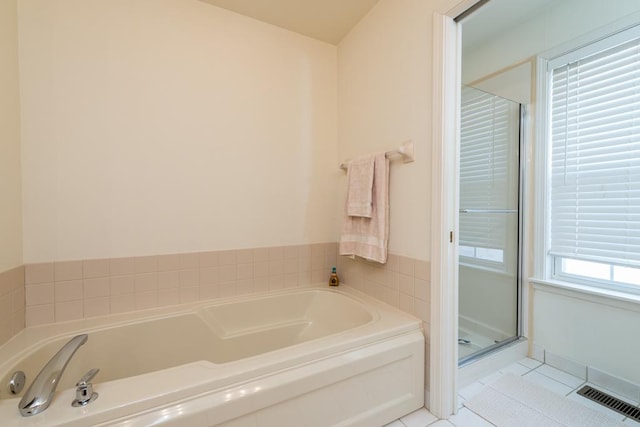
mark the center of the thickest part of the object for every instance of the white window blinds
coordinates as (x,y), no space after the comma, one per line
(595,157)
(488,169)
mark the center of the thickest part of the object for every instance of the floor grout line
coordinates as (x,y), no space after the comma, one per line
(529,370)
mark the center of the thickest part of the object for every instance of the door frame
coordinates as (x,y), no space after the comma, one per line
(443,343)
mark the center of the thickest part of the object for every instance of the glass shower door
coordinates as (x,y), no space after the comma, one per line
(489,215)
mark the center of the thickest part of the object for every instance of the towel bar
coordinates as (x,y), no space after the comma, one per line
(405,150)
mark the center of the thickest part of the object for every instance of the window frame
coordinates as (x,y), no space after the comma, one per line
(547,266)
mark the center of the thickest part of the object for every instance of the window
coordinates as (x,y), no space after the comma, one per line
(489,133)
(594,164)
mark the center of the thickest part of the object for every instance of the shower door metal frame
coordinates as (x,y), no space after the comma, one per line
(464,361)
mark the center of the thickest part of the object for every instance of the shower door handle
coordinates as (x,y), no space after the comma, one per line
(489,211)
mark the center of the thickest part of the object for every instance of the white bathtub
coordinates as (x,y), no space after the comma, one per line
(312,357)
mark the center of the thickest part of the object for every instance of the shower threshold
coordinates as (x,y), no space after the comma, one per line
(469,353)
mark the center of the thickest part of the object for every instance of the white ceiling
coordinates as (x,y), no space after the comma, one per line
(326,20)
(494,17)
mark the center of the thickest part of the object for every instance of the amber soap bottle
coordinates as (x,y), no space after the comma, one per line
(334,280)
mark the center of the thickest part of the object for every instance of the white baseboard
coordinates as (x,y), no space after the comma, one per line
(593,375)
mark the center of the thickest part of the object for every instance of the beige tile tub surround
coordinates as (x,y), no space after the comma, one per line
(68,290)
(12,303)
(402,282)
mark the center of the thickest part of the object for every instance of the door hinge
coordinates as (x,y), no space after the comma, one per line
(451,237)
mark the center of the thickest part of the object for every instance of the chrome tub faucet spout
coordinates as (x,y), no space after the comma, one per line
(39,395)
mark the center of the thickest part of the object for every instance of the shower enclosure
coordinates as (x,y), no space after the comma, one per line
(489,237)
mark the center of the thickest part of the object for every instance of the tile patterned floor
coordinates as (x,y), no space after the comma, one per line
(545,376)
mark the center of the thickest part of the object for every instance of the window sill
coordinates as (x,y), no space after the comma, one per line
(612,298)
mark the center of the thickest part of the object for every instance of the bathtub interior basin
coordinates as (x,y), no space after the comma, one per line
(218,333)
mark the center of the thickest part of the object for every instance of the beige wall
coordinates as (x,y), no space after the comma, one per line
(10,199)
(384,98)
(167,126)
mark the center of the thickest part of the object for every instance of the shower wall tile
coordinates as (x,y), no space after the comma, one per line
(189,261)
(169,279)
(146,264)
(69,310)
(406,285)
(122,303)
(208,259)
(261,255)
(68,270)
(5,283)
(276,254)
(422,270)
(291,265)
(393,262)
(169,262)
(261,269)
(98,287)
(95,268)
(245,271)
(291,252)
(402,282)
(12,302)
(304,277)
(422,309)
(304,263)
(227,289)
(171,297)
(422,289)
(228,273)
(68,290)
(146,282)
(39,273)
(189,278)
(261,284)
(304,251)
(40,294)
(99,306)
(276,282)
(244,287)
(290,280)
(189,294)
(39,314)
(319,276)
(209,276)
(121,266)
(407,266)
(206,292)
(119,285)
(244,256)
(146,299)
(405,303)
(276,267)
(228,258)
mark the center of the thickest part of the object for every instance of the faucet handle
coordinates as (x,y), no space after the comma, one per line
(84,389)
(87,377)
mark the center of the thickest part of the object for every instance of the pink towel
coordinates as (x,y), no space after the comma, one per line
(360,186)
(368,237)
